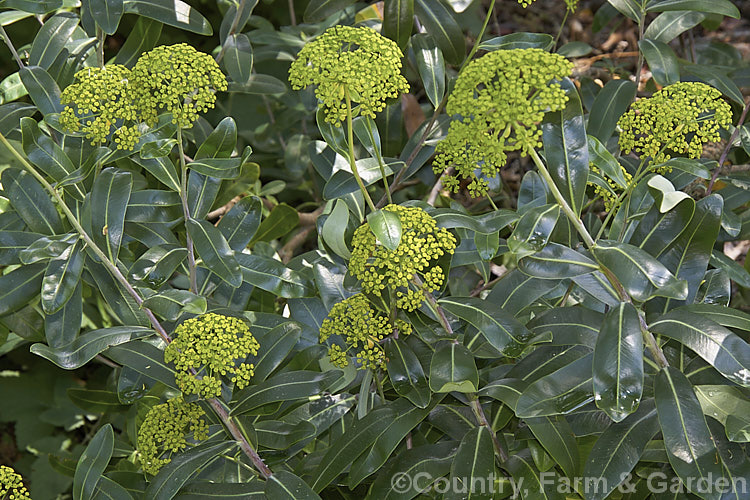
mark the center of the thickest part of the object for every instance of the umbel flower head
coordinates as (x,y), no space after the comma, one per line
(678,119)
(209,347)
(500,99)
(612,190)
(11,485)
(361,328)
(422,244)
(100,100)
(179,80)
(164,429)
(359,61)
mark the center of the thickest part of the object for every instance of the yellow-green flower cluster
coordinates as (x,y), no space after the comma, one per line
(176,78)
(209,347)
(422,244)
(100,100)
(362,329)
(179,80)
(500,99)
(678,119)
(11,485)
(344,59)
(164,429)
(571,4)
(609,196)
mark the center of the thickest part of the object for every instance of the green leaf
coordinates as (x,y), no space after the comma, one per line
(386,226)
(715,78)
(504,332)
(557,437)
(12,114)
(107,14)
(93,462)
(669,25)
(405,418)
(569,325)
(519,40)
(43,152)
(721,348)
(609,105)
(123,305)
(95,400)
(628,8)
(662,61)
(214,251)
(722,402)
(19,287)
(658,229)
(201,490)
(61,279)
(51,38)
(288,386)
(238,57)
(557,262)
(533,230)
(274,348)
(566,148)
(641,275)
(279,222)
(619,448)
(171,304)
(475,458)
(109,201)
(690,254)
(560,392)
(157,265)
(406,373)
(172,476)
(398,20)
(521,466)
(220,142)
(273,276)
(12,243)
(219,168)
(162,168)
(285,485)
(429,460)
(618,363)
(334,229)
(85,348)
(240,224)
(158,148)
(443,28)
(42,89)
(259,84)
(142,37)
(33,6)
(687,439)
(722,7)
(144,358)
(108,489)
(485,224)
(48,247)
(171,12)
(430,65)
(62,327)
(31,202)
(319,10)
(515,291)
(453,369)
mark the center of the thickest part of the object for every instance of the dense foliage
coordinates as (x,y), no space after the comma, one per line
(276,250)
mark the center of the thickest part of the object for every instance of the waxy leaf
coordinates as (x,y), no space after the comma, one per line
(557,437)
(109,202)
(475,458)
(690,449)
(557,262)
(504,332)
(287,386)
(157,264)
(85,348)
(566,148)
(273,276)
(31,202)
(386,226)
(430,65)
(533,230)
(214,250)
(641,275)
(453,369)
(171,304)
(406,373)
(560,392)
(144,358)
(662,61)
(19,287)
(241,222)
(443,28)
(107,14)
(398,20)
(61,279)
(238,57)
(42,89)
(619,448)
(93,462)
(618,363)
(719,346)
(610,104)
(287,486)
(172,12)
